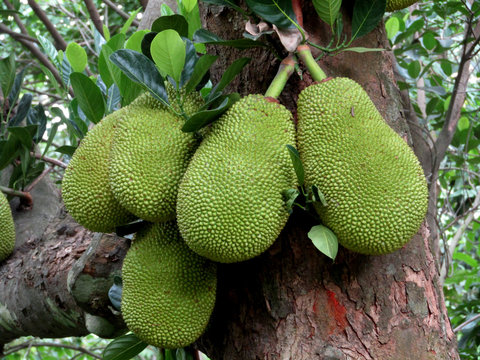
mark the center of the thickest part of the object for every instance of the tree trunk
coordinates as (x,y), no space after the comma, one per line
(294,303)
(289,303)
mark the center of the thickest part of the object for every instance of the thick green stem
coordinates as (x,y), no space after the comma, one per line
(306,56)
(284,72)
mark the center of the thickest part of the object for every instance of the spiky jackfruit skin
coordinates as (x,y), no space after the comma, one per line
(85,186)
(373,184)
(230,203)
(168,291)
(393,5)
(7,229)
(149,155)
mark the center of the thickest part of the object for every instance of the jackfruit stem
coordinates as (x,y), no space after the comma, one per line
(314,69)
(285,70)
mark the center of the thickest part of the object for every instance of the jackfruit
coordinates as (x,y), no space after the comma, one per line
(168,291)
(149,155)
(85,186)
(393,5)
(230,203)
(7,229)
(375,191)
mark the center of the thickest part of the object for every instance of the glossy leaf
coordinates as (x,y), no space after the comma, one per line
(124,348)
(142,70)
(367,14)
(175,22)
(297,164)
(233,70)
(201,68)
(168,51)
(274,11)
(7,74)
(22,110)
(327,10)
(89,96)
(77,57)
(115,292)
(324,240)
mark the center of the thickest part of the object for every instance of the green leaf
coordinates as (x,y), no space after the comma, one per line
(366,16)
(206,37)
(318,195)
(191,58)
(7,74)
(89,96)
(297,164)
(134,42)
(392,25)
(269,10)
(17,85)
(51,136)
(66,149)
(361,49)
(140,69)
(174,22)
(290,196)
(9,150)
(123,348)
(199,71)
(129,21)
(205,117)
(324,240)
(446,67)
(467,259)
(168,51)
(414,69)
(428,40)
(233,70)
(328,10)
(23,134)
(165,10)
(77,57)
(50,50)
(22,110)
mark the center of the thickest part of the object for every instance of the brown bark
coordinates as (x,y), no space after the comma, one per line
(60,43)
(94,15)
(293,302)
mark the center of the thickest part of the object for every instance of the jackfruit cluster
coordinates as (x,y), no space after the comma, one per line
(86,188)
(149,156)
(230,204)
(393,5)
(168,290)
(375,191)
(129,165)
(7,229)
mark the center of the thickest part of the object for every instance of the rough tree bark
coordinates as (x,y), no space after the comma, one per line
(289,303)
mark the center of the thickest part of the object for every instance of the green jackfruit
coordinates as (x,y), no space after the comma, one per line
(393,5)
(7,229)
(85,187)
(375,191)
(230,202)
(168,291)
(149,155)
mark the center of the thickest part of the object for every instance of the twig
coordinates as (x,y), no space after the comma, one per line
(50,160)
(458,236)
(39,177)
(52,344)
(94,15)
(461,326)
(25,196)
(60,43)
(17,19)
(120,11)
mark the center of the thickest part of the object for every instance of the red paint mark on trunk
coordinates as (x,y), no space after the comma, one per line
(338,310)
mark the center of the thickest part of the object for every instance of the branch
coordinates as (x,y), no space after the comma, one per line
(60,43)
(456,239)
(120,12)
(458,96)
(94,15)
(50,160)
(17,19)
(461,326)
(25,196)
(15,35)
(28,344)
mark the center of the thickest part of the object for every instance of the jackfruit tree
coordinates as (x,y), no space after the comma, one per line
(241,277)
